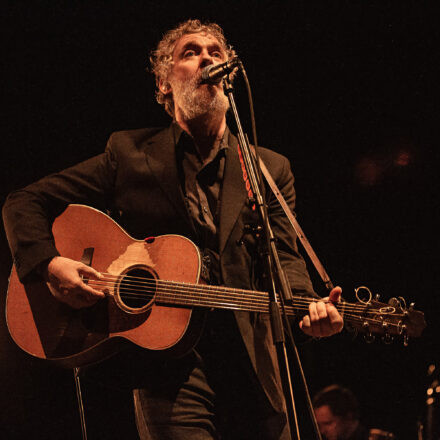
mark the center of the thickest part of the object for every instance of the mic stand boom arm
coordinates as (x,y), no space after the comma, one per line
(277,278)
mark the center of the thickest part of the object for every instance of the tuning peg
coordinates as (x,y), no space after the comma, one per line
(410,309)
(387,339)
(402,330)
(394,302)
(369,337)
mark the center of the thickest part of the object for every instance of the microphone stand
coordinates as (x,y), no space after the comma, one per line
(276,276)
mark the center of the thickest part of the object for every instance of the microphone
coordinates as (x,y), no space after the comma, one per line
(213,73)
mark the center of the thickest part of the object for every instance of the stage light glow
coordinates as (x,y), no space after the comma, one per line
(403,158)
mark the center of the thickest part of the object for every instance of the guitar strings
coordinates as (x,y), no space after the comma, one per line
(206,301)
(200,289)
(231,294)
(247,293)
(177,292)
(195,287)
(263,296)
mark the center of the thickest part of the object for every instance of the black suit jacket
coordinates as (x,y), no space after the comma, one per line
(136,181)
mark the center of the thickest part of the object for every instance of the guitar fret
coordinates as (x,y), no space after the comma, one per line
(200,302)
(215,295)
(210,297)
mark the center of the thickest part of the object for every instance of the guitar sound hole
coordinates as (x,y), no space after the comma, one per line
(137,288)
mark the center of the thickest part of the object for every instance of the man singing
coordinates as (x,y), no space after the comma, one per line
(185,179)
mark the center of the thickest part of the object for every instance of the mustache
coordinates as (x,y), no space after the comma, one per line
(193,82)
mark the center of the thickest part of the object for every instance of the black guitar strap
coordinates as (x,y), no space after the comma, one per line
(296,227)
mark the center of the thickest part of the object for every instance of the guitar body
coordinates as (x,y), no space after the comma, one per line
(153,298)
(48,329)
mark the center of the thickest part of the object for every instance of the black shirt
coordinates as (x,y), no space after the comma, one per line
(201,185)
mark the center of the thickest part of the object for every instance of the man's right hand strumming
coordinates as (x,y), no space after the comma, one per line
(65,278)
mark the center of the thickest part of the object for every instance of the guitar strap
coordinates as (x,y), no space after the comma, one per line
(295,225)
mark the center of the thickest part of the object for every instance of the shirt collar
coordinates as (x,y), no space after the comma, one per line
(183,140)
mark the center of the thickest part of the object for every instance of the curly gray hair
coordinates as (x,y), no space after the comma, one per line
(162,58)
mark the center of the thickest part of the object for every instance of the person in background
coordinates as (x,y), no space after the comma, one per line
(337,413)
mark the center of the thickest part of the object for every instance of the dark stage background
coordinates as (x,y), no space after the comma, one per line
(347,90)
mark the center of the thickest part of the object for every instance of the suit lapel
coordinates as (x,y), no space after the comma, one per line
(233,192)
(161,159)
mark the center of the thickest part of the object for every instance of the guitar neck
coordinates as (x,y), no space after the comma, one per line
(219,297)
(367,316)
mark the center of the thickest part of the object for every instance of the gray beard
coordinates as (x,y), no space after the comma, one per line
(195,102)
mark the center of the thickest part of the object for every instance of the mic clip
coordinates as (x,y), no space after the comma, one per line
(213,73)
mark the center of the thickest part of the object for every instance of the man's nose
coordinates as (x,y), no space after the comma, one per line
(206,59)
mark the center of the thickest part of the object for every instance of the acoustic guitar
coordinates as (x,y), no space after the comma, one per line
(154,298)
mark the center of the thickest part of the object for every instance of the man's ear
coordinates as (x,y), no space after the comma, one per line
(164,86)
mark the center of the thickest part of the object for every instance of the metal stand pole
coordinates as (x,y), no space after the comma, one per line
(80,403)
(275,272)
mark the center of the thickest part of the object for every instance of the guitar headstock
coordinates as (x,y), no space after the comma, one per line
(372,317)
